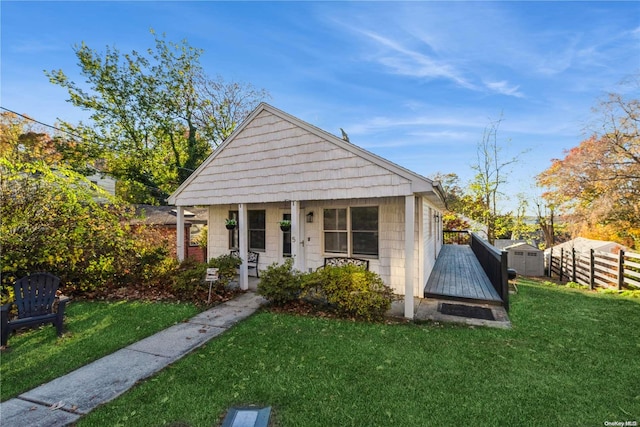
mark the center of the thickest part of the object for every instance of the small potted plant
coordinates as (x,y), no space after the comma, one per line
(230,223)
(285,225)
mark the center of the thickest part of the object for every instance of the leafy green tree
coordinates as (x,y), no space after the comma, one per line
(154,113)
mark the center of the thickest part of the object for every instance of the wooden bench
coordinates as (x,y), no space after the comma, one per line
(34,296)
(341,261)
(252,261)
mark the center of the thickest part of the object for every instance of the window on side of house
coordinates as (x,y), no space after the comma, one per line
(351,232)
(257,230)
(335,231)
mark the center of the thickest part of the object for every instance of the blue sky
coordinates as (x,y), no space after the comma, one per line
(415,82)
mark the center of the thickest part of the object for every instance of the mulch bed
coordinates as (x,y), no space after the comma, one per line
(139,292)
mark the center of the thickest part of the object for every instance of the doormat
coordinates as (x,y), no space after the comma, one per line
(466,311)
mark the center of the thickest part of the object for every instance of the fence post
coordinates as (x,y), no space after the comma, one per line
(550,263)
(592,268)
(620,270)
(573,264)
(561,262)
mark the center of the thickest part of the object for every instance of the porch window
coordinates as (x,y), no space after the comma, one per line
(353,231)
(364,231)
(255,233)
(335,231)
(257,230)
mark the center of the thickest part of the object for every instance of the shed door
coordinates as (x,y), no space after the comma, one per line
(533,263)
(518,261)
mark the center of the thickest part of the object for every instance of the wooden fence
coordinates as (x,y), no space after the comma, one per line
(595,268)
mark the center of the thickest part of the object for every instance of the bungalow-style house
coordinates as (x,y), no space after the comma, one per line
(342,201)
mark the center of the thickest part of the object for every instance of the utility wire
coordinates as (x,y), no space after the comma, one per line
(82,139)
(41,123)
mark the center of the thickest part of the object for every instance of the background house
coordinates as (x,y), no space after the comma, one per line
(163,220)
(341,199)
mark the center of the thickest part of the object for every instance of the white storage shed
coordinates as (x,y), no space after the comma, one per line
(526,259)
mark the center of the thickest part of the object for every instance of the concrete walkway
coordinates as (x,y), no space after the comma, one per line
(65,399)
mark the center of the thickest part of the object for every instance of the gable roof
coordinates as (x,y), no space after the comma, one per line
(273,156)
(521,246)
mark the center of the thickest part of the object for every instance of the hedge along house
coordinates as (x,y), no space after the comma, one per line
(342,201)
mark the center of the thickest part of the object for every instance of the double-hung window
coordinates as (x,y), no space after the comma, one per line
(351,231)
(256,231)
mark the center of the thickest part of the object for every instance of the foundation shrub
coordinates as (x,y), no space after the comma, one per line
(351,291)
(280,284)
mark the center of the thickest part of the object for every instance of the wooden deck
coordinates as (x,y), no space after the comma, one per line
(458,275)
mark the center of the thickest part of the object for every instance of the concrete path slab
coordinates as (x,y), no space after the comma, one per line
(427,309)
(177,340)
(98,382)
(82,390)
(224,316)
(17,412)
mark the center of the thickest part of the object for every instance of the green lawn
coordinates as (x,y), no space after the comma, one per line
(572,358)
(93,329)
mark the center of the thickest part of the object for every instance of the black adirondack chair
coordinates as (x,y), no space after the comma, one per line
(34,296)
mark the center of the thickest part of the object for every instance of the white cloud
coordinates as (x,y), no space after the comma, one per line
(405,61)
(503,87)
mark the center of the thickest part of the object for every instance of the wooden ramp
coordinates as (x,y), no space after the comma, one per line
(458,275)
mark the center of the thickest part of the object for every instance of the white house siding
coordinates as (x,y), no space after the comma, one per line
(390,264)
(254,168)
(432,243)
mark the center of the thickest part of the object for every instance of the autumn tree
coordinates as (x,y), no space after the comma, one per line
(156,113)
(24,140)
(597,184)
(53,219)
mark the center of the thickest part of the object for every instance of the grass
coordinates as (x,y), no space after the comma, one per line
(93,329)
(572,358)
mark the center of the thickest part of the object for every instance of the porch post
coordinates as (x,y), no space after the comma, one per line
(295,234)
(409,220)
(180,233)
(243,226)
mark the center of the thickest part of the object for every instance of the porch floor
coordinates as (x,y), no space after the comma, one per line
(458,275)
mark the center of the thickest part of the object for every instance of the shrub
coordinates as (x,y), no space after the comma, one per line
(227,266)
(189,277)
(280,284)
(352,291)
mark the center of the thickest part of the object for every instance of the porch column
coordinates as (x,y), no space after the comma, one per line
(243,227)
(180,233)
(409,228)
(295,234)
